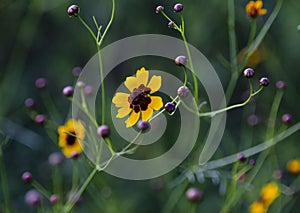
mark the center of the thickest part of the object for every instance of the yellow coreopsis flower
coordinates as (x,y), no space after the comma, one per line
(138,103)
(254,9)
(293,166)
(70,137)
(257,207)
(269,193)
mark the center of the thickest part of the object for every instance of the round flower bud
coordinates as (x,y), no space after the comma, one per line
(68,91)
(73,10)
(178,7)
(252,162)
(241,157)
(103,131)
(41,83)
(53,199)
(253,120)
(76,71)
(159,9)
(40,119)
(55,159)
(287,118)
(171,24)
(281,85)
(248,73)
(278,174)
(33,198)
(170,107)
(29,103)
(88,90)
(75,155)
(194,194)
(143,125)
(180,60)
(27,177)
(183,91)
(80,84)
(264,81)
(298,27)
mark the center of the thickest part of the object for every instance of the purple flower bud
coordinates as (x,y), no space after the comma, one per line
(40,119)
(183,91)
(88,90)
(171,24)
(241,157)
(252,162)
(29,103)
(33,198)
(248,73)
(281,85)
(68,91)
(103,131)
(253,120)
(287,118)
(278,174)
(143,125)
(75,155)
(170,107)
(80,84)
(76,71)
(41,83)
(178,7)
(27,177)
(55,159)
(54,199)
(194,194)
(159,9)
(264,81)
(180,60)
(73,10)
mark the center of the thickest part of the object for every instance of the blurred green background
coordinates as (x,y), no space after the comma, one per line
(39,39)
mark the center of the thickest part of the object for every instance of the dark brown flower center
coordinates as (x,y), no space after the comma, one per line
(139,98)
(253,12)
(71,138)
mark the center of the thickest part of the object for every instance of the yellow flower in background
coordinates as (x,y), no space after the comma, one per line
(269,193)
(139,102)
(293,166)
(254,9)
(257,207)
(70,137)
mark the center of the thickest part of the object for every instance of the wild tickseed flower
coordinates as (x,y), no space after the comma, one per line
(41,83)
(103,131)
(27,177)
(183,91)
(194,194)
(257,207)
(180,60)
(73,10)
(178,7)
(254,9)
(139,102)
(143,125)
(248,73)
(269,193)
(264,81)
(293,166)
(33,198)
(71,137)
(68,91)
(287,118)
(159,9)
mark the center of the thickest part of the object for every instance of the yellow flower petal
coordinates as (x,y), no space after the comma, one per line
(122,112)
(156,102)
(121,99)
(131,83)
(147,114)
(258,4)
(257,207)
(142,76)
(133,118)
(262,12)
(154,84)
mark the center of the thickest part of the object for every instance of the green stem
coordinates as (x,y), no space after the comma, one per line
(41,189)
(252,32)
(232,49)
(88,28)
(70,205)
(75,175)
